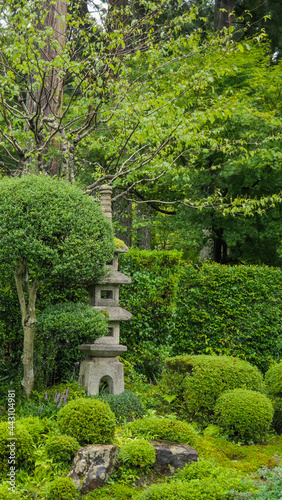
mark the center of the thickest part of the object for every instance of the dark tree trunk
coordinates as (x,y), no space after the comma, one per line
(219,247)
(223,19)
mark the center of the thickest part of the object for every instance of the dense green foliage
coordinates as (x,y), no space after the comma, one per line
(163,428)
(23,451)
(244,415)
(277,417)
(126,406)
(273,380)
(59,330)
(197,381)
(137,453)
(62,488)
(60,234)
(214,309)
(34,426)
(62,448)
(207,488)
(90,421)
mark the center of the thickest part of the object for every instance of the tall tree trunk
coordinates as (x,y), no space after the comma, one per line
(28,323)
(222,11)
(52,97)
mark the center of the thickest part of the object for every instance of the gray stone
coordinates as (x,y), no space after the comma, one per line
(116,278)
(116,313)
(94,371)
(171,456)
(93,465)
(105,350)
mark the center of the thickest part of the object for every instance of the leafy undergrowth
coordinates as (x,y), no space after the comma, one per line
(226,470)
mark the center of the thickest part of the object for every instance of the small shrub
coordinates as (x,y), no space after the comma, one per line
(87,420)
(273,380)
(126,406)
(197,382)
(62,488)
(138,453)
(34,426)
(24,447)
(244,415)
(62,448)
(164,428)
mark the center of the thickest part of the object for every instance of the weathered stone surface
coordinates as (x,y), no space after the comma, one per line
(93,465)
(93,371)
(171,456)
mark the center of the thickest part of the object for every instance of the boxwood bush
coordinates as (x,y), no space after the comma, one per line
(62,488)
(90,421)
(244,415)
(197,382)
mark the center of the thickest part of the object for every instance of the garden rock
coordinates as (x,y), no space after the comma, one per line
(92,466)
(171,456)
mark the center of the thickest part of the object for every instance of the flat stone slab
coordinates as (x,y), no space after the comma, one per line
(171,456)
(106,350)
(115,277)
(115,313)
(93,465)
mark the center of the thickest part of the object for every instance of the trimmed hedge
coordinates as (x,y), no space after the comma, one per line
(206,308)
(197,381)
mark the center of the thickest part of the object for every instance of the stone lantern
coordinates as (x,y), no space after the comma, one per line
(101,365)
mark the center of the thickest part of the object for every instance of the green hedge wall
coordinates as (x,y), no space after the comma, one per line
(181,307)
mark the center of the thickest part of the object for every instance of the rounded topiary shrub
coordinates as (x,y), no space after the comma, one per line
(23,451)
(164,428)
(139,453)
(273,380)
(34,426)
(87,420)
(62,448)
(244,415)
(126,406)
(62,488)
(197,382)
